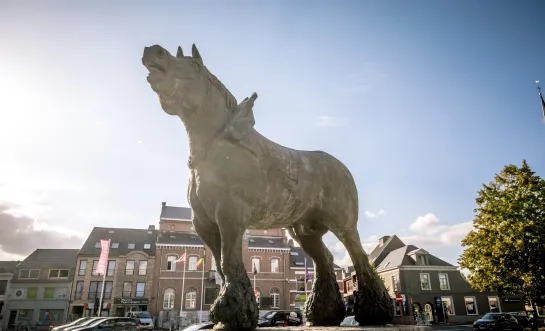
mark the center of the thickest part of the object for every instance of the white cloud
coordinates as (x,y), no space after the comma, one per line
(329,121)
(429,231)
(370,214)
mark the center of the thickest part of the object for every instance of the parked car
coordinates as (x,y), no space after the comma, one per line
(113,324)
(350,321)
(280,318)
(497,321)
(146,322)
(76,322)
(200,326)
(522,319)
(90,321)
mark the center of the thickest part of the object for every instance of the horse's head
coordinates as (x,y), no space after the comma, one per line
(180,81)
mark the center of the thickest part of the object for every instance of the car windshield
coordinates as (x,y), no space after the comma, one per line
(491,317)
(143,314)
(269,315)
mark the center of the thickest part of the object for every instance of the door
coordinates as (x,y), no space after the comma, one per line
(429,312)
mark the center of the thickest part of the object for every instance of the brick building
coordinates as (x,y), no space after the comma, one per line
(129,275)
(278,266)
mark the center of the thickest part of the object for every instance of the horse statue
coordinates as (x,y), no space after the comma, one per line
(239,180)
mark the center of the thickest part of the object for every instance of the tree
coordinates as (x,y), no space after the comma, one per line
(505,251)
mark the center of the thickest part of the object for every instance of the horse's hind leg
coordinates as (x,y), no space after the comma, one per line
(373,305)
(324,306)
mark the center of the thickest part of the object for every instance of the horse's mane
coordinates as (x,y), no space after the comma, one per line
(230,100)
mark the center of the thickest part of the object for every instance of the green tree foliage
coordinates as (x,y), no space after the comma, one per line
(505,252)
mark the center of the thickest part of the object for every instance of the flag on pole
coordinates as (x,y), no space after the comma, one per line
(255,269)
(182,258)
(541,97)
(103,259)
(307,275)
(201,260)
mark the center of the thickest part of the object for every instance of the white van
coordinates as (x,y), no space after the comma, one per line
(146,322)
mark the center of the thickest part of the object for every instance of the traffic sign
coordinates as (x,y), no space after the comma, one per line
(399,298)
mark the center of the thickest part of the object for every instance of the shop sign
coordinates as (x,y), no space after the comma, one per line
(131,301)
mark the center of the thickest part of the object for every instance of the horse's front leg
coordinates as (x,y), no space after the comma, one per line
(236,306)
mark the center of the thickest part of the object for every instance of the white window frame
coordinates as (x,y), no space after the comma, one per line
(168,298)
(474,303)
(80,269)
(395,283)
(429,281)
(29,273)
(58,274)
(451,303)
(115,245)
(147,246)
(446,278)
(192,262)
(191,299)
(140,268)
(253,260)
(109,271)
(171,258)
(277,260)
(498,302)
(131,246)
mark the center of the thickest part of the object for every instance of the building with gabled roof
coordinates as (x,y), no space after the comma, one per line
(40,288)
(7,270)
(428,284)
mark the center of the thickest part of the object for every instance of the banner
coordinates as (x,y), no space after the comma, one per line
(102,264)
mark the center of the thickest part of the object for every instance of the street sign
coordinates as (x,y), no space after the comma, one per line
(399,298)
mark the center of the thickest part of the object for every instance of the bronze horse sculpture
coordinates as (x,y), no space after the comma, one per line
(239,179)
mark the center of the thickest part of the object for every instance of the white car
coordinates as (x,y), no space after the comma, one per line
(146,322)
(84,324)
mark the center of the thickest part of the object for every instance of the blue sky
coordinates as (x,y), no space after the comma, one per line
(422,100)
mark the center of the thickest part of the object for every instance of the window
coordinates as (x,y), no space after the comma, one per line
(471,305)
(127,289)
(130,246)
(494,305)
(300,284)
(3,286)
(168,301)
(58,273)
(425,282)
(171,262)
(61,292)
(95,288)
(111,268)
(294,253)
(49,293)
(79,290)
(94,271)
(397,309)
(394,283)
(29,274)
(213,264)
(443,282)
(97,245)
(115,245)
(275,265)
(447,305)
(82,267)
(52,315)
(147,246)
(275,296)
(140,289)
(255,264)
(422,259)
(142,268)
(191,298)
(192,264)
(129,267)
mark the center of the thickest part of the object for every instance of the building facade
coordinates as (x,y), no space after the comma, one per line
(7,269)
(129,277)
(430,285)
(40,288)
(269,253)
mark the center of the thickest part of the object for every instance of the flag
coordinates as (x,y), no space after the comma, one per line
(103,260)
(541,97)
(182,258)
(201,260)
(255,269)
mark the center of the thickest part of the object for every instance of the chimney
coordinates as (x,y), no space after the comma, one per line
(151,227)
(163,203)
(383,240)
(290,243)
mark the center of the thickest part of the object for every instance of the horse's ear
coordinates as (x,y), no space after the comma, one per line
(180,52)
(196,55)
(243,121)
